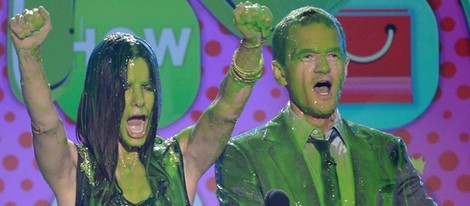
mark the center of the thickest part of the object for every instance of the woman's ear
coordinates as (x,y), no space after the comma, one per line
(279,73)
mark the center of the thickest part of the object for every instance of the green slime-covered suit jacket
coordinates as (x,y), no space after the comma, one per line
(264,159)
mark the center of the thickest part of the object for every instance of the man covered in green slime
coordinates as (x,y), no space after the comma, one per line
(308,150)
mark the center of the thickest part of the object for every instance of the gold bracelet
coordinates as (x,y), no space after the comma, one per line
(253,46)
(243,76)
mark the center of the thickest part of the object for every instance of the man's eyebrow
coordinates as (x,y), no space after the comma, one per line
(316,50)
(295,52)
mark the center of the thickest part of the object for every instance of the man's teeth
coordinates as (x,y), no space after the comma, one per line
(323,91)
(322,88)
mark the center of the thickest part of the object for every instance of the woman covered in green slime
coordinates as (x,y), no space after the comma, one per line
(120,160)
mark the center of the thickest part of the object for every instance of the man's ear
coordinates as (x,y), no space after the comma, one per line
(346,68)
(279,73)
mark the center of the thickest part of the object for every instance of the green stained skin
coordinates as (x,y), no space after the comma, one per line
(308,65)
(139,99)
(38,22)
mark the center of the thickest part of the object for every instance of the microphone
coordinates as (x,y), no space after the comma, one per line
(276,197)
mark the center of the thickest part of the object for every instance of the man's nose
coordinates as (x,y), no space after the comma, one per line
(322,66)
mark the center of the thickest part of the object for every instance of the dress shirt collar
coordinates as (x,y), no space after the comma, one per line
(301,129)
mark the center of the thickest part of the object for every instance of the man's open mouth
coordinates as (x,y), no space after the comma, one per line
(322,88)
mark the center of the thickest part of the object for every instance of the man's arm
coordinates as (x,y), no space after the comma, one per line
(51,147)
(203,143)
(410,189)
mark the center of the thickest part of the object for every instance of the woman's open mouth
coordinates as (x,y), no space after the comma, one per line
(136,126)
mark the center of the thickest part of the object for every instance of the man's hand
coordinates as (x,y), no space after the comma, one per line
(254,21)
(29,30)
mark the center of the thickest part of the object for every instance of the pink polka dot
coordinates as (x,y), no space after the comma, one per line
(275,92)
(25,140)
(433,183)
(464,137)
(259,115)
(447,24)
(463,183)
(447,114)
(405,135)
(448,69)
(42,203)
(435,4)
(2,49)
(10,162)
(9,117)
(2,185)
(10,204)
(448,161)
(213,48)
(438,94)
(5,72)
(226,68)
(1,94)
(448,203)
(463,92)
(211,93)
(195,115)
(462,47)
(224,30)
(4,26)
(210,184)
(26,185)
(433,137)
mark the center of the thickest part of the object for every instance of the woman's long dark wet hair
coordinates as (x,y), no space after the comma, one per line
(102,105)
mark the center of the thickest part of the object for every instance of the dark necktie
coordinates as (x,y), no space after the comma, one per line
(330,179)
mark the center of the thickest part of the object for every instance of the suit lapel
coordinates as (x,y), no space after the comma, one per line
(366,165)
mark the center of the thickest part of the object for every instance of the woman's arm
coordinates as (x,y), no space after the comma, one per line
(54,153)
(204,142)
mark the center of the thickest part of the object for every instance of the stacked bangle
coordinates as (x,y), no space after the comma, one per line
(252,46)
(244,76)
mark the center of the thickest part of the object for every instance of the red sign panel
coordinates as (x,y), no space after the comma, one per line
(379,46)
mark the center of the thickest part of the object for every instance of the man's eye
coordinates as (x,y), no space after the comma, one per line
(333,55)
(308,57)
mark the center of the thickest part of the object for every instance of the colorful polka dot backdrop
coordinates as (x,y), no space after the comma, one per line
(440,136)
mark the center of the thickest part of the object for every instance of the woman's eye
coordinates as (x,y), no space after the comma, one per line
(148,87)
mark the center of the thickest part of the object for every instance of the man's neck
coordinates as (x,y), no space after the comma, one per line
(323,123)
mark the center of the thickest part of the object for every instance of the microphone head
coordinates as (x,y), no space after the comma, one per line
(276,197)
